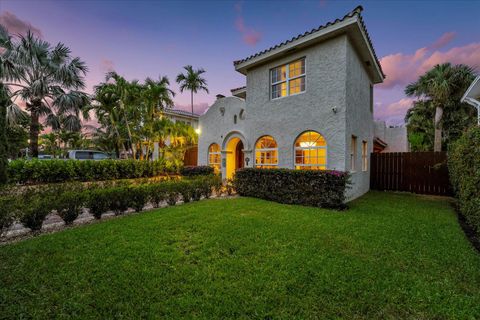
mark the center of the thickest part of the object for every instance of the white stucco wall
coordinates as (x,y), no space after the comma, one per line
(335,79)
(396,137)
(359,121)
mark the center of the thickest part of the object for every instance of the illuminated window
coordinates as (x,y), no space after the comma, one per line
(353,153)
(310,151)
(288,79)
(364,156)
(266,152)
(214,157)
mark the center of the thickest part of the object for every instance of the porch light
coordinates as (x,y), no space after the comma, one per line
(197,131)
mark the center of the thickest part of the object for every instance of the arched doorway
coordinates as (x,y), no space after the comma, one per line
(235,158)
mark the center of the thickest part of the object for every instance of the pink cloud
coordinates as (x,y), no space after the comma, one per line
(249,35)
(107,65)
(198,108)
(445,39)
(393,113)
(17,26)
(402,69)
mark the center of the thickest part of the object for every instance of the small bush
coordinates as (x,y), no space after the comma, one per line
(98,201)
(8,213)
(69,202)
(40,171)
(186,189)
(157,193)
(173,193)
(35,207)
(307,187)
(190,171)
(464,170)
(138,197)
(119,200)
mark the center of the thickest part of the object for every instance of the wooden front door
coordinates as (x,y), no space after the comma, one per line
(239,157)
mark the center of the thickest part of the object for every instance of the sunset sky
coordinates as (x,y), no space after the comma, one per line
(140,39)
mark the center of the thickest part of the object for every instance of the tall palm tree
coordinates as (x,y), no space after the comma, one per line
(192,80)
(47,79)
(442,83)
(157,96)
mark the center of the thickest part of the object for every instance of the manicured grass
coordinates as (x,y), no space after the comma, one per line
(389,256)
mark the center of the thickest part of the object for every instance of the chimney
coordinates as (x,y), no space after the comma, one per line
(220,96)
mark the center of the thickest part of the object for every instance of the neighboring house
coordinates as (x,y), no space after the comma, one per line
(472,96)
(177,115)
(389,139)
(307,104)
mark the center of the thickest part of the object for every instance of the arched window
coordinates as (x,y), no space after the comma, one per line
(266,152)
(310,151)
(214,157)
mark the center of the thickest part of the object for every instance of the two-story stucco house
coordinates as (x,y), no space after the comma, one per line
(307,104)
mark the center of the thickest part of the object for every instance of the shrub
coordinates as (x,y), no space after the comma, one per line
(8,213)
(173,193)
(69,202)
(189,171)
(138,197)
(464,170)
(34,208)
(98,201)
(307,187)
(119,200)
(41,171)
(186,188)
(157,193)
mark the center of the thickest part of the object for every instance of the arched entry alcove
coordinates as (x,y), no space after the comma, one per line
(234,147)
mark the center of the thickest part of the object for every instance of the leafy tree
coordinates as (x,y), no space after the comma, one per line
(443,87)
(192,80)
(48,80)
(17,138)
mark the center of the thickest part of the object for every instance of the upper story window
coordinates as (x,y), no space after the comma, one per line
(288,79)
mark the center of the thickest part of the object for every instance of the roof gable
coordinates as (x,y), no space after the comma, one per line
(351,24)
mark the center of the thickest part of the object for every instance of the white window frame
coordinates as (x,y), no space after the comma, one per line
(213,164)
(364,155)
(295,164)
(353,153)
(288,79)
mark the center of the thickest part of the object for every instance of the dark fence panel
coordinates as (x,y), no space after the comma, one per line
(191,156)
(417,172)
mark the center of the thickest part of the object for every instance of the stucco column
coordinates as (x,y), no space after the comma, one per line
(155,151)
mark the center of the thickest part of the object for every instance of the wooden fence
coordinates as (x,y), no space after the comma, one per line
(417,172)
(191,156)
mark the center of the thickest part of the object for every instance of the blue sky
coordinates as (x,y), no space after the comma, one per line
(150,38)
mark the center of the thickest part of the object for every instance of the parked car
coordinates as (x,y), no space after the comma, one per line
(87,155)
(45,157)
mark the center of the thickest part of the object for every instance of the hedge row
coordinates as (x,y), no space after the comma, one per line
(307,187)
(464,170)
(45,171)
(32,206)
(190,171)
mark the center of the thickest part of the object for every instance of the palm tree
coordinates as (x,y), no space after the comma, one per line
(442,83)
(193,81)
(48,80)
(157,96)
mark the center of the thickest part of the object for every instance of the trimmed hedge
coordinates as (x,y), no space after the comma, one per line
(306,187)
(464,170)
(31,204)
(46,171)
(196,171)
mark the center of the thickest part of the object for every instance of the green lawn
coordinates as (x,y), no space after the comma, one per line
(389,256)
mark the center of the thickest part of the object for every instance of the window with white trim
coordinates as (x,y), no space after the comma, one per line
(266,153)
(311,151)
(214,157)
(288,79)
(364,155)
(353,153)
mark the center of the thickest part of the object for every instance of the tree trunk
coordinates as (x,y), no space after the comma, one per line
(34,131)
(437,144)
(3,137)
(191,94)
(132,146)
